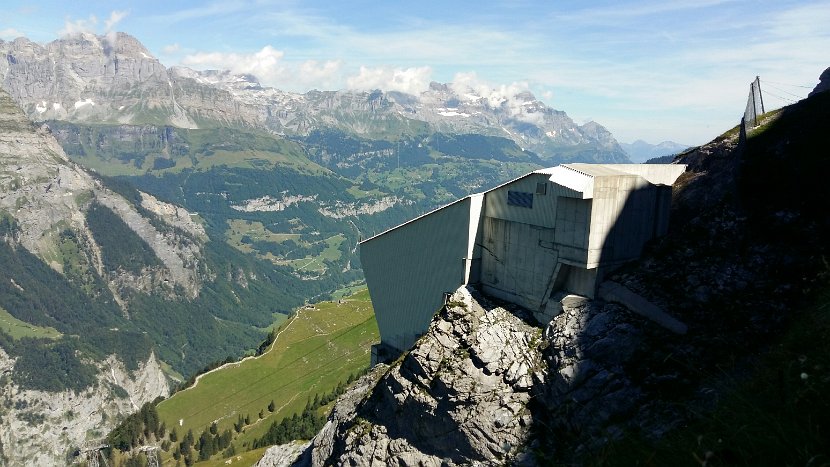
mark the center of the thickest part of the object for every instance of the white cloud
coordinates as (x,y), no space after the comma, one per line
(10,34)
(325,75)
(115,17)
(91,24)
(505,96)
(411,80)
(264,64)
(78,26)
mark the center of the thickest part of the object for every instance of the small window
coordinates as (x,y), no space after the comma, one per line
(541,188)
(520,198)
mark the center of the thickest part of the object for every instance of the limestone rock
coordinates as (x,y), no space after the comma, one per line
(483,386)
(43,428)
(282,455)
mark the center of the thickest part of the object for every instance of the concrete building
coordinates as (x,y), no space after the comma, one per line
(557,229)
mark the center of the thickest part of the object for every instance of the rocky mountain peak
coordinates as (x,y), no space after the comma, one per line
(89,78)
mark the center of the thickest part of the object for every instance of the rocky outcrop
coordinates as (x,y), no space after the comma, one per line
(486,385)
(44,428)
(282,455)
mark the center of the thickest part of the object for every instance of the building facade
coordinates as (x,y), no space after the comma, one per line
(557,229)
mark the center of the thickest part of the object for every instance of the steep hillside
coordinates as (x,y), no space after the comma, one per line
(741,266)
(114,79)
(101,287)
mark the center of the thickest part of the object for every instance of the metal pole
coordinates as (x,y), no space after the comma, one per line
(760,95)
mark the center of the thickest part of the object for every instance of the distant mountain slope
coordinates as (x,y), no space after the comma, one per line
(99,282)
(640,151)
(114,79)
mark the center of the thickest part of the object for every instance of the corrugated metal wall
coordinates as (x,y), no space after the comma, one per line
(408,269)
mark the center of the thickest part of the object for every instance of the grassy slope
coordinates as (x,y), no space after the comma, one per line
(778,416)
(316,349)
(17,328)
(775,409)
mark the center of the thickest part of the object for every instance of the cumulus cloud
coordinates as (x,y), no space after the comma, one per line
(469,83)
(313,74)
(511,97)
(91,24)
(264,64)
(10,34)
(411,80)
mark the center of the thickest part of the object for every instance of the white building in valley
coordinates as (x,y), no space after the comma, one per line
(557,229)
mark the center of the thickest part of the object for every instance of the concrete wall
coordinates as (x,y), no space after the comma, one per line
(518,261)
(409,268)
(544,206)
(572,227)
(622,219)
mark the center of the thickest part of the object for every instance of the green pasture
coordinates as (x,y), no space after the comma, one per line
(18,329)
(319,347)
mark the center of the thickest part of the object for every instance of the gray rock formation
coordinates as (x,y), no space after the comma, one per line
(43,428)
(282,455)
(485,386)
(45,193)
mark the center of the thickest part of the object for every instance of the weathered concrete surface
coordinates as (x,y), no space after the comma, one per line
(611,291)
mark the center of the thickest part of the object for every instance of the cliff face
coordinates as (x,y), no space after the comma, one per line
(44,202)
(43,428)
(487,385)
(45,193)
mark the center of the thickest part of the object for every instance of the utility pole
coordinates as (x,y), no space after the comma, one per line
(760,95)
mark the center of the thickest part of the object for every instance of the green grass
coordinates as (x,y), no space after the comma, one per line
(244,459)
(317,349)
(349,289)
(315,263)
(237,228)
(779,415)
(18,329)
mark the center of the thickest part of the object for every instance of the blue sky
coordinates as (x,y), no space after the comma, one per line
(651,70)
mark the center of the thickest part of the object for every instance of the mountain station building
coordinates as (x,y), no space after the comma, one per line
(560,229)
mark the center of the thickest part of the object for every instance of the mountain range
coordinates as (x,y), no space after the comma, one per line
(114,79)
(641,151)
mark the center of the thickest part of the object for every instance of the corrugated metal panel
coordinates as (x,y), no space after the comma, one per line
(408,270)
(543,210)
